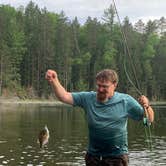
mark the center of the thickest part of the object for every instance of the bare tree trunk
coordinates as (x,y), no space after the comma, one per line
(1,75)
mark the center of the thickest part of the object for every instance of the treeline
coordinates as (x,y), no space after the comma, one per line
(33,40)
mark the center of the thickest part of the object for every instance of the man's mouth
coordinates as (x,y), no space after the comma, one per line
(101,96)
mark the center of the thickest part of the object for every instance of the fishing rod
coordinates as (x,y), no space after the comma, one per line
(137,86)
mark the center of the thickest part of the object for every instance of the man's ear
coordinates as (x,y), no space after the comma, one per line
(115,85)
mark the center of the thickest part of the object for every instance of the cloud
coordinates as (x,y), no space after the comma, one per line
(145,10)
(134,9)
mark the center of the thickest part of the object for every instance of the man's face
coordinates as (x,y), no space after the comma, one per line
(105,90)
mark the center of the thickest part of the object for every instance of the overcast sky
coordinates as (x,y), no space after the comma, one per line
(134,9)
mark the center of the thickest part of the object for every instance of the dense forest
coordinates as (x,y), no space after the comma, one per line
(33,40)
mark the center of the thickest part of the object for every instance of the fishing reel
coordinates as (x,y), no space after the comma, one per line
(146,122)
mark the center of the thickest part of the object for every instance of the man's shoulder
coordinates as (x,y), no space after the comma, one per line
(84,95)
(83,98)
(121,95)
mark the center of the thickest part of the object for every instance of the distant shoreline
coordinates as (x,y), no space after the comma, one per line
(11,101)
(53,102)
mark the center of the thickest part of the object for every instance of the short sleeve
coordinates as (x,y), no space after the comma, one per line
(134,109)
(80,98)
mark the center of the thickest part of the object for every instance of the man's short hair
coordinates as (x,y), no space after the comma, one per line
(107,75)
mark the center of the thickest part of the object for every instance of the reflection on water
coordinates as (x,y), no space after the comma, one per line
(19,128)
(20,124)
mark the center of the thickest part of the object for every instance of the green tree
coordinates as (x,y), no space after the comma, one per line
(63,49)
(12,48)
(159,70)
(92,28)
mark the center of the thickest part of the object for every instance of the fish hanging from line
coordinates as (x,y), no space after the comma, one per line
(43,136)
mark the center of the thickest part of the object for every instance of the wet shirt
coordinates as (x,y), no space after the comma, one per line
(107,122)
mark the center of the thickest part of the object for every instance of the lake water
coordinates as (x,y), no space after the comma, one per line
(21,123)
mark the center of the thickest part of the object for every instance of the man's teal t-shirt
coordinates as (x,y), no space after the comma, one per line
(107,122)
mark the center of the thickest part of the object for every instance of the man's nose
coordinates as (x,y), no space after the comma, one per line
(101,89)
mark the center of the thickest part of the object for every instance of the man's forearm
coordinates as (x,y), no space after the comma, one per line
(61,93)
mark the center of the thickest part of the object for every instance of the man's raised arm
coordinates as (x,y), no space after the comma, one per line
(59,90)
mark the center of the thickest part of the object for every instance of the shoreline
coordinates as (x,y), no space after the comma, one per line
(17,101)
(54,102)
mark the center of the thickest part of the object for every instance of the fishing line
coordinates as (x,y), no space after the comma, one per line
(128,77)
(128,52)
(148,134)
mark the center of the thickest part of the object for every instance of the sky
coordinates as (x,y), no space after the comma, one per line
(134,9)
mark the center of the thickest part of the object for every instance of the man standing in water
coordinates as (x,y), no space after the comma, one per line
(107,112)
